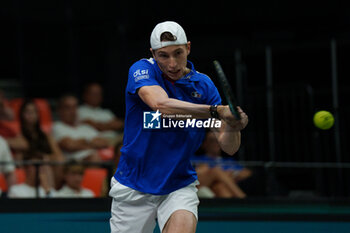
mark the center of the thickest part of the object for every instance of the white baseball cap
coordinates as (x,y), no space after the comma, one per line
(167,26)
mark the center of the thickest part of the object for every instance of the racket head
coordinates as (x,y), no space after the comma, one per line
(227,90)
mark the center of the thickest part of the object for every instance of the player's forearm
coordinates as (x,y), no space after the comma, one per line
(157,99)
(229,140)
(174,106)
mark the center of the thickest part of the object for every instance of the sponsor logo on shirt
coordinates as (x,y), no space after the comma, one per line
(140,74)
(196,94)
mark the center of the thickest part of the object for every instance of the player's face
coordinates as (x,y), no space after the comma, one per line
(172,60)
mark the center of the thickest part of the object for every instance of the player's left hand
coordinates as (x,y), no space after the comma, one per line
(236,125)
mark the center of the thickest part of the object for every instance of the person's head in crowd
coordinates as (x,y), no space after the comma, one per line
(31,130)
(73,175)
(93,94)
(210,145)
(29,115)
(67,109)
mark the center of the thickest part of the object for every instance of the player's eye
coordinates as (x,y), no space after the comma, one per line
(178,52)
(163,55)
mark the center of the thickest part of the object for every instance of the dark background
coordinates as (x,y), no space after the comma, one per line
(52,47)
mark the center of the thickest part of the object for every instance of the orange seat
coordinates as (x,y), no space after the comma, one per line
(20,175)
(3,184)
(9,128)
(43,108)
(94,179)
(20,178)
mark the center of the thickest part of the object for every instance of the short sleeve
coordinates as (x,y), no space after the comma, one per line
(88,132)
(109,114)
(58,131)
(141,74)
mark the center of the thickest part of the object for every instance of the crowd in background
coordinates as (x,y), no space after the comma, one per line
(62,157)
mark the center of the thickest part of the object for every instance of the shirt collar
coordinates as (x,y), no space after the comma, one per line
(190,77)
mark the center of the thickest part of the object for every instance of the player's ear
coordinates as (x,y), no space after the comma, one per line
(152,53)
(188,46)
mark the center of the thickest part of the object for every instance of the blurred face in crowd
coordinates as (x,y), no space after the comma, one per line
(172,60)
(30,114)
(73,178)
(211,145)
(68,110)
(93,95)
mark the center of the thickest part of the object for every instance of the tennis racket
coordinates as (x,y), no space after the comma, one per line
(226,88)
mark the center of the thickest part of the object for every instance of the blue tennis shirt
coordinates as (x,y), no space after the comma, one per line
(157,161)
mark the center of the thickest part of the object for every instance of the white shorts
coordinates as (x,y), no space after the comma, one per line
(134,211)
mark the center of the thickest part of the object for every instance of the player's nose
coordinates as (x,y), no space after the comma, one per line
(172,63)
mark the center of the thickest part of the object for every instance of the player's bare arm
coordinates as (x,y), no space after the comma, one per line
(157,99)
(229,137)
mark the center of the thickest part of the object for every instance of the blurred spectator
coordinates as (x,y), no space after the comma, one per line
(7,169)
(212,154)
(73,176)
(214,182)
(38,142)
(215,179)
(77,141)
(5,112)
(45,180)
(101,119)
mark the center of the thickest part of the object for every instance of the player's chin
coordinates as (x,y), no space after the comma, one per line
(174,75)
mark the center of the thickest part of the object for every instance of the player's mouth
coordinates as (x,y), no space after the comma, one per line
(174,73)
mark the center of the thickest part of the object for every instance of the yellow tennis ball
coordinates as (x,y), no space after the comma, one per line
(323,120)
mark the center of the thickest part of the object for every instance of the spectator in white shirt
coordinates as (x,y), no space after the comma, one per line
(73,183)
(8,168)
(101,119)
(77,141)
(29,187)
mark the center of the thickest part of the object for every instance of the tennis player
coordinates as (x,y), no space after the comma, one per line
(155,179)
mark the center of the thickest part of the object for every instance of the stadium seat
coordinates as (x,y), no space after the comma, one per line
(3,185)
(20,175)
(9,128)
(94,179)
